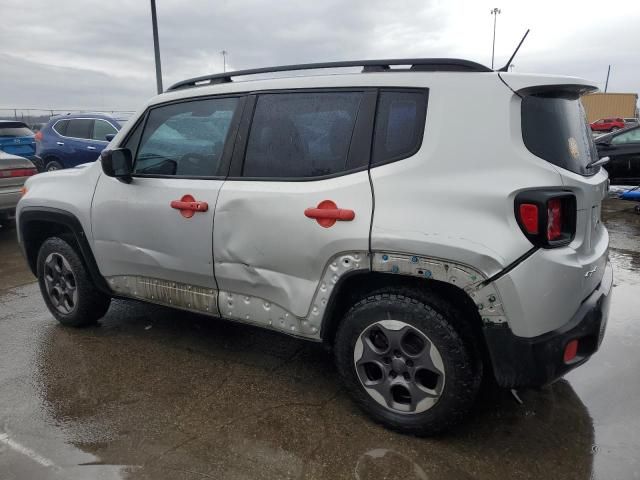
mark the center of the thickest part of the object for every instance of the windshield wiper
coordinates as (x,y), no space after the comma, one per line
(598,163)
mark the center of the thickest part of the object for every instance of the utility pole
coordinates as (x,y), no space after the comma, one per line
(606,85)
(224,60)
(495,13)
(156,46)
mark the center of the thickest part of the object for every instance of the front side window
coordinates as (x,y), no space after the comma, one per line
(185,139)
(632,136)
(399,127)
(101,129)
(80,128)
(301,134)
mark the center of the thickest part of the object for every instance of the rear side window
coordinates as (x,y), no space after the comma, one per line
(399,125)
(555,129)
(80,128)
(16,129)
(185,139)
(60,127)
(301,134)
(101,129)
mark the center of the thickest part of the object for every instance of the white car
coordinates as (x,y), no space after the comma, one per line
(351,209)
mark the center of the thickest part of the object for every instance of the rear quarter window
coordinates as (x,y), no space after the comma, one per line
(555,128)
(399,126)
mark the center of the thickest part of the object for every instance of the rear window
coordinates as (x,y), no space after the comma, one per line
(555,129)
(14,129)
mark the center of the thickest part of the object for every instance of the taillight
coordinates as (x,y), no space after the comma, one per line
(38,136)
(547,218)
(18,172)
(554,219)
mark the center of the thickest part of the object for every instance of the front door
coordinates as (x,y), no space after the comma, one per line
(153,237)
(296,210)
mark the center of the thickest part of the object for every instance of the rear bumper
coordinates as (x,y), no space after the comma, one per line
(529,362)
(9,197)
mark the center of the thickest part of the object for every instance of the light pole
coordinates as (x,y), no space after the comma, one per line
(156,46)
(224,60)
(495,13)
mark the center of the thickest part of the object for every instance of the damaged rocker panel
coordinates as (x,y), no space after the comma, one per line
(165,292)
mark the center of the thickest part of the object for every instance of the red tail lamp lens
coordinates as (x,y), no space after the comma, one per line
(529,217)
(38,136)
(554,219)
(571,351)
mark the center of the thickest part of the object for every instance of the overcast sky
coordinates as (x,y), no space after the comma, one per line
(99,54)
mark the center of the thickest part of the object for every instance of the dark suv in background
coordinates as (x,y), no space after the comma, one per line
(70,140)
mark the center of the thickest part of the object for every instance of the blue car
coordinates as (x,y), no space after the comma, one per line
(70,140)
(17,139)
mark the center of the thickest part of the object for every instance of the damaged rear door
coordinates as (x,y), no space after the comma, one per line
(297,202)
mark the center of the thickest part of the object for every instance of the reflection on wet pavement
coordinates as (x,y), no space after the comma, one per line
(153,393)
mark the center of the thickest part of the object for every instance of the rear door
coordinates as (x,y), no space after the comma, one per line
(554,128)
(305,157)
(153,236)
(77,142)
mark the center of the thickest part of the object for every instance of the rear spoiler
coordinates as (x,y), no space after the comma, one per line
(569,87)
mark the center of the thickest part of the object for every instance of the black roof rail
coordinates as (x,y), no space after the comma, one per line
(416,64)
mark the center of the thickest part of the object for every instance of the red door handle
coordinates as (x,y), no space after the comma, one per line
(327,214)
(188,206)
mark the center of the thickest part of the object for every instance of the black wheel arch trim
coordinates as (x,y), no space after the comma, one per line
(70,221)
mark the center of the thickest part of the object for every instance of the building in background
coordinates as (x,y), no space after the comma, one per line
(605,105)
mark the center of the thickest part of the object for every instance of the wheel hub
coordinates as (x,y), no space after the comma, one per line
(60,283)
(399,366)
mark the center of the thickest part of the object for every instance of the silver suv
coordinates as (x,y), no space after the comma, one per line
(351,209)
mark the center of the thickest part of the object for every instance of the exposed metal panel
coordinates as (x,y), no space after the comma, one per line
(486,297)
(179,295)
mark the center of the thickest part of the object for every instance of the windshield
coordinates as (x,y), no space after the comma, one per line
(555,129)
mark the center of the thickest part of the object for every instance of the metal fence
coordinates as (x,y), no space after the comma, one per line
(40,115)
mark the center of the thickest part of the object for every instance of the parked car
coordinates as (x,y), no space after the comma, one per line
(488,249)
(70,140)
(17,139)
(14,170)
(608,125)
(623,150)
(630,122)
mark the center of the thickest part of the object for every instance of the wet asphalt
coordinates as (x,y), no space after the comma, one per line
(153,393)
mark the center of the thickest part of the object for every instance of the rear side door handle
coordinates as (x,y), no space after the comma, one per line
(91,148)
(188,206)
(60,143)
(327,214)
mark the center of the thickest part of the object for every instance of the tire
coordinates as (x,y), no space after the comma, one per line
(53,165)
(428,394)
(66,286)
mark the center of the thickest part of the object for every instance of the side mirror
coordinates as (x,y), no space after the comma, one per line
(117,163)
(109,137)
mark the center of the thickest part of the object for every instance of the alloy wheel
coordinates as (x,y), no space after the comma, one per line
(399,366)
(60,283)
